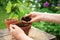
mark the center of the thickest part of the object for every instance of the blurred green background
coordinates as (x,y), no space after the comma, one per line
(20,8)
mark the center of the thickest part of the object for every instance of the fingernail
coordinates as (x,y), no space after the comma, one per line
(13,27)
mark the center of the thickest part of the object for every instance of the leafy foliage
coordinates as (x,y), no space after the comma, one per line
(20,9)
(8,7)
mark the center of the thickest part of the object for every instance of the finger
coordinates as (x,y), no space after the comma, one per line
(11,29)
(15,26)
(29,15)
(35,19)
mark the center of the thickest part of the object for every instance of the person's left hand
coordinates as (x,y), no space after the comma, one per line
(16,31)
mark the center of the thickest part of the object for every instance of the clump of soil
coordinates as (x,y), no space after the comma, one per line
(23,24)
(26,19)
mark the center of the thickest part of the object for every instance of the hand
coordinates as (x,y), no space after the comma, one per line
(16,31)
(36,16)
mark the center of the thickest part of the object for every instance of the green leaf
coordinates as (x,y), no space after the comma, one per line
(13,15)
(8,7)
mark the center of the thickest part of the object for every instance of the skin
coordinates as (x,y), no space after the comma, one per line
(37,16)
(19,34)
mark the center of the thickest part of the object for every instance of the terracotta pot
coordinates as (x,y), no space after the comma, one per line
(10,21)
(25,26)
(26,29)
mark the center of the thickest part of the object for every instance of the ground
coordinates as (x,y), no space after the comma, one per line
(34,33)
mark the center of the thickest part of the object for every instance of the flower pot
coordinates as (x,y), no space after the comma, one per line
(25,26)
(10,21)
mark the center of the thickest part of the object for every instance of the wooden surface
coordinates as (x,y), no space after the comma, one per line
(34,33)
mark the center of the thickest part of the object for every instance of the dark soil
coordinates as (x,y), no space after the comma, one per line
(23,24)
(26,19)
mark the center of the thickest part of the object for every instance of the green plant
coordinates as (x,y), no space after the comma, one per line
(3,2)
(58,12)
(48,27)
(45,10)
(17,10)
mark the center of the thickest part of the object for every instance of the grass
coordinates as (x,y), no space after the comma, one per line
(3,16)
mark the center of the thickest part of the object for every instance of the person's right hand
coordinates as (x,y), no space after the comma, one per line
(36,16)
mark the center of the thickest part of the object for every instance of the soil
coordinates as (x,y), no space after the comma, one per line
(23,24)
(26,19)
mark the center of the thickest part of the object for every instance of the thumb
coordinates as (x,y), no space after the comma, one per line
(13,26)
(36,19)
(29,15)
